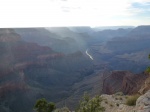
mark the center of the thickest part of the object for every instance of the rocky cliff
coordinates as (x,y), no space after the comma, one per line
(124,81)
(117,103)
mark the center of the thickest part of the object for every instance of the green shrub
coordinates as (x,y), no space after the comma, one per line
(64,109)
(90,105)
(43,106)
(126,97)
(119,93)
(131,101)
(148,70)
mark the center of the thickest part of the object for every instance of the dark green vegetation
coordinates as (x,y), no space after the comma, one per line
(43,106)
(87,104)
(90,105)
(148,68)
(131,100)
(63,109)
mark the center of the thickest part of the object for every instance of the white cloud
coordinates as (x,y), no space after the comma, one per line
(45,13)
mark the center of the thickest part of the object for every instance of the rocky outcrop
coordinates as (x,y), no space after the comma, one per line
(117,103)
(113,83)
(143,103)
(124,81)
(132,83)
(145,86)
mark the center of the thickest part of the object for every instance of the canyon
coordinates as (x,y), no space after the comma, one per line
(60,64)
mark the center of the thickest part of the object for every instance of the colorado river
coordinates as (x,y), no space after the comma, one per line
(89,55)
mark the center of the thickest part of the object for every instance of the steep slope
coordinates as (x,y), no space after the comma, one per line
(29,71)
(123,81)
(143,102)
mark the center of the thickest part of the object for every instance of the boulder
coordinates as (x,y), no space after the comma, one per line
(143,103)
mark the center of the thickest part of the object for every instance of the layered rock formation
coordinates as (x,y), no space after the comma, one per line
(29,71)
(124,81)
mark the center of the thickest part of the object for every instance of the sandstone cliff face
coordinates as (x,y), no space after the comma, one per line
(143,103)
(132,84)
(124,81)
(145,86)
(113,82)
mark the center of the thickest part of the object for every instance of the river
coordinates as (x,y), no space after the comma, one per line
(89,55)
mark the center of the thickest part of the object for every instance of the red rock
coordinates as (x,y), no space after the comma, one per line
(123,81)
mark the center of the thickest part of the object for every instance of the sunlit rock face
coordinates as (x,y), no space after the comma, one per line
(143,102)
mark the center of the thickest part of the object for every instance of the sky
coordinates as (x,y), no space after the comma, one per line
(49,13)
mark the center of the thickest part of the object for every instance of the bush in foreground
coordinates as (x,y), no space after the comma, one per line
(131,100)
(90,105)
(64,109)
(43,106)
(148,68)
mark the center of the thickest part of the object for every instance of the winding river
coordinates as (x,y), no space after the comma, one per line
(89,55)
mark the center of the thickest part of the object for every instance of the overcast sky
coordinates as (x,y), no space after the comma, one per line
(47,13)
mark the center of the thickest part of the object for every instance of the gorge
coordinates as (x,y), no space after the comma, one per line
(62,63)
